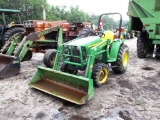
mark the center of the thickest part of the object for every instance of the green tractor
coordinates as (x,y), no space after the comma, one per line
(10,24)
(94,55)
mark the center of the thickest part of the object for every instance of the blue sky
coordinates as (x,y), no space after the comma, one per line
(96,6)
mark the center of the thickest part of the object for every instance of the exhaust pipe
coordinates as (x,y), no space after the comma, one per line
(44,13)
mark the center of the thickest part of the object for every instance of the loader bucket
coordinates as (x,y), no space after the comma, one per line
(76,89)
(9,66)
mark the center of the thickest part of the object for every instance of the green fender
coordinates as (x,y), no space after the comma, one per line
(115,49)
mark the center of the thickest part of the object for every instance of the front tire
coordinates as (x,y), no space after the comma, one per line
(100,74)
(122,60)
(49,58)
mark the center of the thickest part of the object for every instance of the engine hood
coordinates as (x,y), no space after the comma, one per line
(85,42)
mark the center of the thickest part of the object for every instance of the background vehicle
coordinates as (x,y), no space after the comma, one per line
(10,24)
(145,18)
(125,33)
(76,27)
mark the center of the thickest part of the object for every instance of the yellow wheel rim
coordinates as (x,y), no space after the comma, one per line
(103,75)
(125,59)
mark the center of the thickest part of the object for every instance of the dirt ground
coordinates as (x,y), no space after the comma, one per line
(134,95)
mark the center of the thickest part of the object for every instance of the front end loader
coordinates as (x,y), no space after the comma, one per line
(81,64)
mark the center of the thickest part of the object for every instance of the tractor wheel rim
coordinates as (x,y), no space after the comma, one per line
(103,75)
(125,59)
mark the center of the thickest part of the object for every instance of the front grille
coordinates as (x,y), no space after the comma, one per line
(28,24)
(73,54)
(76,52)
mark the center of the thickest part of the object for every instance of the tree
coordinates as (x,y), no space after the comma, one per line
(32,9)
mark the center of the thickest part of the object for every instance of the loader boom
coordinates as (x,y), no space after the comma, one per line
(13,47)
(16,49)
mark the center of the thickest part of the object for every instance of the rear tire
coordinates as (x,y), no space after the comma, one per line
(85,32)
(10,32)
(122,60)
(157,57)
(141,47)
(49,58)
(100,74)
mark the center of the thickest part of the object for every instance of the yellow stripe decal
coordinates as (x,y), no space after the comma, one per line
(93,45)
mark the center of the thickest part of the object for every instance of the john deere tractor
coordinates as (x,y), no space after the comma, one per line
(10,24)
(94,55)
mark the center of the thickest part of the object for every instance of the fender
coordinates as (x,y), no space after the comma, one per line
(15,25)
(115,49)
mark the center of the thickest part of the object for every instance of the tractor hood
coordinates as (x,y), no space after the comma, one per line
(85,42)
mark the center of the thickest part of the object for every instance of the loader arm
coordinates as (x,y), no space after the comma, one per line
(28,41)
(12,43)
(35,35)
(58,54)
(18,49)
(100,49)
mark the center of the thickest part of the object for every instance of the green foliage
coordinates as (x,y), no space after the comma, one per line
(32,9)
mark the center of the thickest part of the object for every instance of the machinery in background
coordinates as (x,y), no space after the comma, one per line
(10,24)
(145,18)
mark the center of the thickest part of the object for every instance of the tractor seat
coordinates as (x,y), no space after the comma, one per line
(108,35)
